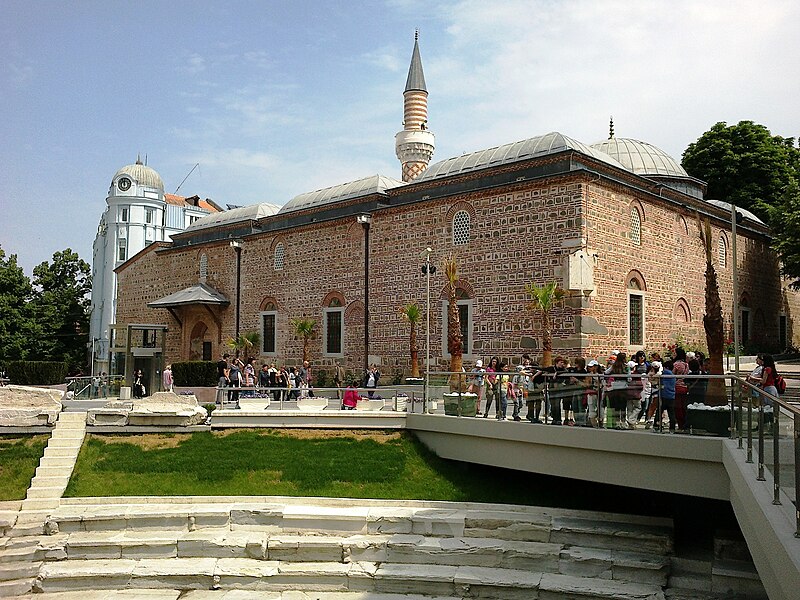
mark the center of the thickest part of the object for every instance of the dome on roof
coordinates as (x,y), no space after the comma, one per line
(244,213)
(641,158)
(535,147)
(375,184)
(142,174)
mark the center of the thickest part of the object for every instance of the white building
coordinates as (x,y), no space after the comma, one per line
(138,214)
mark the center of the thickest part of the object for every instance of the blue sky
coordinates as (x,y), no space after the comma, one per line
(278,98)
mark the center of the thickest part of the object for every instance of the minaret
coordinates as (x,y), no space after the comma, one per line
(414,145)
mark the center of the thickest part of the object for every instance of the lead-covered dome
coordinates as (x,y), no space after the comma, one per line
(142,174)
(641,158)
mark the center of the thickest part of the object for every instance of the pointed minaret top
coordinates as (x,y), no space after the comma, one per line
(138,159)
(611,128)
(416,78)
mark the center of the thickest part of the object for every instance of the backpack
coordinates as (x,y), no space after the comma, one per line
(780,385)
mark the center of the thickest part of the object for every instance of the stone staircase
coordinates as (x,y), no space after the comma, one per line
(20,559)
(378,548)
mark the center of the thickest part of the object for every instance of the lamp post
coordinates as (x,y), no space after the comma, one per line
(237,246)
(365,221)
(427,270)
(735,219)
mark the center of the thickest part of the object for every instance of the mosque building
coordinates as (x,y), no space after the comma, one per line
(615,223)
(138,213)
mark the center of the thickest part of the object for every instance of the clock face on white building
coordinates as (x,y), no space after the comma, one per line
(124,184)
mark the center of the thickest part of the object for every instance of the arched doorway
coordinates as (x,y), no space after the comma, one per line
(200,343)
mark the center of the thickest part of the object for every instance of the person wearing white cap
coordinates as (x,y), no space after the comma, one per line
(476,386)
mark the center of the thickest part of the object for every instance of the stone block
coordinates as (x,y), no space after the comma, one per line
(245,574)
(313,404)
(500,584)
(222,544)
(23,406)
(305,548)
(432,521)
(180,573)
(554,586)
(415,579)
(320,576)
(613,535)
(84,574)
(325,518)
(390,520)
(365,549)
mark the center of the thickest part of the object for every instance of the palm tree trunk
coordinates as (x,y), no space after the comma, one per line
(715,337)
(414,351)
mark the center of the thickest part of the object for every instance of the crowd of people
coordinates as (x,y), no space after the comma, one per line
(629,392)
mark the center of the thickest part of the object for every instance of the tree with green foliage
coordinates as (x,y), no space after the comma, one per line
(18,334)
(744,164)
(246,345)
(544,298)
(412,314)
(304,328)
(61,307)
(784,220)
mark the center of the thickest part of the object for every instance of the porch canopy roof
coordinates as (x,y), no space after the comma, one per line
(200,293)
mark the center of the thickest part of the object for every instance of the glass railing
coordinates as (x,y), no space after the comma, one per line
(91,387)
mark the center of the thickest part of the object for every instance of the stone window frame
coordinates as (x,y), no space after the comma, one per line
(124,214)
(462,227)
(203,267)
(454,210)
(333,304)
(465,300)
(636,291)
(722,251)
(636,220)
(150,215)
(122,249)
(279,256)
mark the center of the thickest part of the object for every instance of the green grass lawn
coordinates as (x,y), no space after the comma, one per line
(19,457)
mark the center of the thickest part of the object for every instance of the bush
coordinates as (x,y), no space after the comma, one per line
(33,372)
(197,373)
(321,378)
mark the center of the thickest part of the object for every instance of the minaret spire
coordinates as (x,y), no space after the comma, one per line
(611,128)
(414,144)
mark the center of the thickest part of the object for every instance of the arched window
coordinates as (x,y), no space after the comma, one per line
(269,328)
(722,252)
(636,226)
(280,256)
(636,287)
(461,228)
(681,313)
(333,328)
(203,268)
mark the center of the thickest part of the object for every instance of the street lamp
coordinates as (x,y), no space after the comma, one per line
(427,269)
(736,218)
(365,221)
(237,246)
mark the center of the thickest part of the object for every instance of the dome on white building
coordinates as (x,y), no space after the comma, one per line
(142,175)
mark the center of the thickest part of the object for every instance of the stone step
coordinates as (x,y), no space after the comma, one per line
(250,574)
(650,536)
(400,548)
(56,480)
(38,504)
(61,452)
(15,587)
(19,570)
(109,595)
(57,462)
(39,492)
(65,417)
(53,471)
(64,443)
(68,433)
(223,595)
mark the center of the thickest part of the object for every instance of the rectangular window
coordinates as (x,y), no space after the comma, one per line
(465,321)
(269,332)
(148,216)
(334,331)
(148,235)
(122,249)
(123,214)
(636,320)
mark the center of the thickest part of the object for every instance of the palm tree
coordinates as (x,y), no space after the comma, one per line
(455,344)
(544,299)
(712,320)
(413,314)
(246,343)
(304,328)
